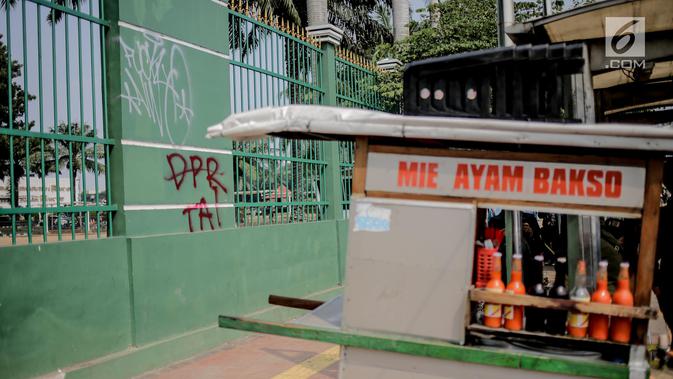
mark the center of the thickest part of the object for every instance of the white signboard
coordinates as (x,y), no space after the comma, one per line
(563,183)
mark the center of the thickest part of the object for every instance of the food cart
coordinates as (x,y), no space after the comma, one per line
(419,182)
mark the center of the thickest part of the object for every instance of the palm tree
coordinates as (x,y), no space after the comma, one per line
(400,19)
(73,161)
(15,163)
(384,16)
(362,32)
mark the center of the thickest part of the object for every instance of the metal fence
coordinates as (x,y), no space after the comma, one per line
(275,63)
(54,145)
(355,82)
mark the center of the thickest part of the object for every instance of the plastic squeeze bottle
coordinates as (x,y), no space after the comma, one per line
(578,322)
(513,314)
(599,324)
(493,312)
(620,330)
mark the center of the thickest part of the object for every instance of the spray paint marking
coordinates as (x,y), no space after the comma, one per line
(181,168)
(157,84)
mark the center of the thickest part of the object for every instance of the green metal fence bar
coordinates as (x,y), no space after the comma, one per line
(45,230)
(26,122)
(61,209)
(46,152)
(346,159)
(93,118)
(10,122)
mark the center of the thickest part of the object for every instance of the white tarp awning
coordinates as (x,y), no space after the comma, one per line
(332,122)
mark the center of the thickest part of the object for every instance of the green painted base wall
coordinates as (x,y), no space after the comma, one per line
(181,281)
(64,304)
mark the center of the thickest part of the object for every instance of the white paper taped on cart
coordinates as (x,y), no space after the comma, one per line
(332,122)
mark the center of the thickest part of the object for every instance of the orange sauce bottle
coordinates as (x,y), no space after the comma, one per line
(493,312)
(513,314)
(599,324)
(620,330)
(578,322)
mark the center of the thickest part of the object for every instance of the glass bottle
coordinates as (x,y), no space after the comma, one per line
(620,330)
(578,322)
(513,314)
(535,317)
(599,324)
(556,320)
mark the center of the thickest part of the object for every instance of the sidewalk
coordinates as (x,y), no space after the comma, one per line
(258,357)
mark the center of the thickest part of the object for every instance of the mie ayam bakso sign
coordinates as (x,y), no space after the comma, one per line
(562,183)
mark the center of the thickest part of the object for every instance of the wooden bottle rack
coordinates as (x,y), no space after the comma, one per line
(608,347)
(562,304)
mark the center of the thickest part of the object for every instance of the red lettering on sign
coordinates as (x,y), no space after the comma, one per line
(558,183)
(421,181)
(593,177)
(512,179)
(576,183)
(613,184)
(407,174)
(432,175)
(492,182)
(540,183)
(462,179)
(477,171)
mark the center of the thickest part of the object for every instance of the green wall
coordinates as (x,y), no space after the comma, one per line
(120,306)
(62,303)
(69,302)
(182,281)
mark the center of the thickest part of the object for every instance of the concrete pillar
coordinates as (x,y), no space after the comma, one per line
(389,64)
(317,12)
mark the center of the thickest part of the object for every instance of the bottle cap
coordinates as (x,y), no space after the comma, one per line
(603,264)
(517,256)
(624,265)
(497,254)
(561,259)
(539,257)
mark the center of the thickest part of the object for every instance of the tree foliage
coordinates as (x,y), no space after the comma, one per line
(55,15)
(12,148)
(525,10)
(362,32)
(456,26)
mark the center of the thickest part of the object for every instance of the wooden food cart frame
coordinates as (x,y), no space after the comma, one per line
(642,147)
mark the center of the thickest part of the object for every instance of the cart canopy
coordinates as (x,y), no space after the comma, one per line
(311,121)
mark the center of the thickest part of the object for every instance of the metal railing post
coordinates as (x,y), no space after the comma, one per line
(330,37)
